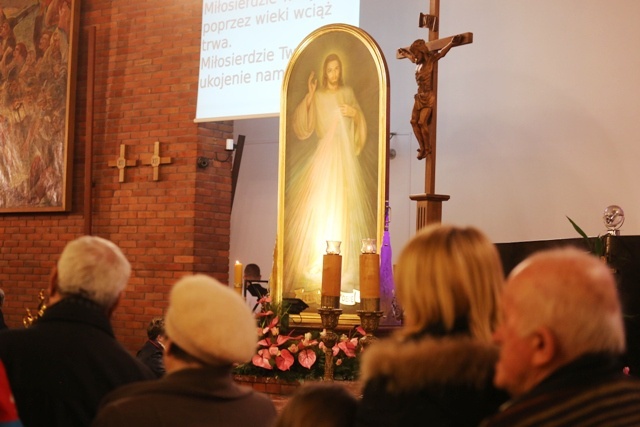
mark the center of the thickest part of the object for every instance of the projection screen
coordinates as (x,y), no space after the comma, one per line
(245,47)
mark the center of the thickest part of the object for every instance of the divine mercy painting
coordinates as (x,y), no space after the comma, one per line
(333,160)
(37,67)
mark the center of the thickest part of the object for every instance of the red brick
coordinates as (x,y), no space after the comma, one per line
(146,86)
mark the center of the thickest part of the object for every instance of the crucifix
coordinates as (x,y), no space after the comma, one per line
(121,163)
(155,161)
(424,115)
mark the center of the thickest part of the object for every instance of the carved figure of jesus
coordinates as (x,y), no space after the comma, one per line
(425,98)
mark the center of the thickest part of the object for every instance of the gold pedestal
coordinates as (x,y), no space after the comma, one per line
(370,321)
(329,318)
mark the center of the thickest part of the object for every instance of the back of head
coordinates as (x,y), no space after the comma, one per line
(210,321)
(252,272)
(94,268)
(320,405)
(1,297)
(155,328)
(447,274)
(572,293)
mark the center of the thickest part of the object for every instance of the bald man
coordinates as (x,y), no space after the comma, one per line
(560,337)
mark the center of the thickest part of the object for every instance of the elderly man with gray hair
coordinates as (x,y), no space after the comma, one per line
(560,337)
(63,365)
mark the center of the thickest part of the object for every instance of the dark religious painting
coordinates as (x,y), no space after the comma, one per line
(37,92)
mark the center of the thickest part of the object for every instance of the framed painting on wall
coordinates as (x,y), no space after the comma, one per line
(332,182)
(38,43)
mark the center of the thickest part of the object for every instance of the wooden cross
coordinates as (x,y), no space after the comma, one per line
(424,115)
(155,161)
(121,163)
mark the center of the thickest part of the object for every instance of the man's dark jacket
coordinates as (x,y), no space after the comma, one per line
(152,355)
(63,365)
(3,325)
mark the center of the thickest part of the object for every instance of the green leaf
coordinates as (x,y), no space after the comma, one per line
(598,247)
(578,229)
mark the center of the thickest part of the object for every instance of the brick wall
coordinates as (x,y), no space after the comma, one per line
(146,78)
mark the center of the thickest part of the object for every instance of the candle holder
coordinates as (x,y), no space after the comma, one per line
(368,246)
(333,247)
(329,318)
(370,321)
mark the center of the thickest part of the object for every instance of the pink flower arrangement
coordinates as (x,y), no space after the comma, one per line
(277,351)
(285,355)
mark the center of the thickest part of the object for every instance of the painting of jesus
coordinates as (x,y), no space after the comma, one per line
(334,160)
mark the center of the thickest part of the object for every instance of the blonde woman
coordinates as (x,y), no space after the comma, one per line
(437,370)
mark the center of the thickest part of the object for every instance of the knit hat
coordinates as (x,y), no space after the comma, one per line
(210,321)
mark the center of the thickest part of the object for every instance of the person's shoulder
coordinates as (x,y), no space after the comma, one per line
(132,390)
(144,371)
(259,396)
(262,404)
(145,349)
(604,399)
(125,366)
(10,338)
(629,383)
(127,405)
(449,360)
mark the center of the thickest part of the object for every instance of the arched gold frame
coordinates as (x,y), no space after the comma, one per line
(366,71)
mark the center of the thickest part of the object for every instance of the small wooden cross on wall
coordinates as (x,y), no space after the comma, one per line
(121,163)
(155,161)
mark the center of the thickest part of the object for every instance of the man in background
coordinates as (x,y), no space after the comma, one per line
(209,329)
(63,365)
(252,272)
(561,338)
(151,353)
(253,290)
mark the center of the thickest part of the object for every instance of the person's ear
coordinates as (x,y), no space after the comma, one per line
(545,347)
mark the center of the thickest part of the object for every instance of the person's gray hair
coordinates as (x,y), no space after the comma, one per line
(94,268)
(1,297)
(575,295)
